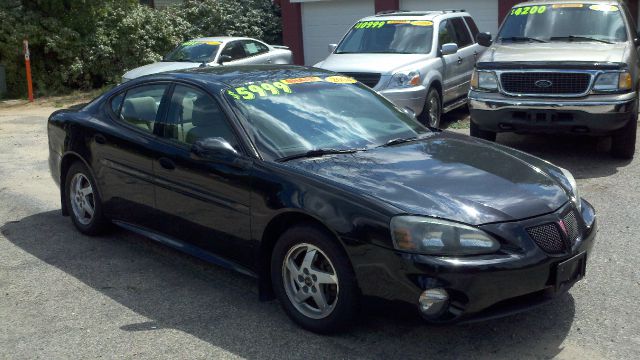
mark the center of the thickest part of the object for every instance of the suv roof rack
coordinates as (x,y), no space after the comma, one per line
(385,12)
(417,13)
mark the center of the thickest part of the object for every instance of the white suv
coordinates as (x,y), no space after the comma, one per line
(421,61)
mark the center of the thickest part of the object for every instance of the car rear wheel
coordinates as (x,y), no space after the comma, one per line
(623,143)
(313,280)
(432,111)
(476,132)
(83,200)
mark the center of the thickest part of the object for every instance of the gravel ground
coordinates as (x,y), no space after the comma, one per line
(64,295)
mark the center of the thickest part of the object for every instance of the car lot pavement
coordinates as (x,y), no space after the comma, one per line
(65,295)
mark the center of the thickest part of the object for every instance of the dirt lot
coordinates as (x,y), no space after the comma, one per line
(64,295)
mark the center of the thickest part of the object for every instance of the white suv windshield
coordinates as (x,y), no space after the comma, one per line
(564,22)
(388,36)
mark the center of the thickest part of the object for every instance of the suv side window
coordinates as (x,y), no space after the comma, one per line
(462,33)
(234,50)
(445,33)
(253,48)
(472,26)
(194,115)
(140,106)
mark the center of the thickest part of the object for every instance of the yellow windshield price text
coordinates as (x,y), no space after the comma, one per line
(253,91)
(529,10)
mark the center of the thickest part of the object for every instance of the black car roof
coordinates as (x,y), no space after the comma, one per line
(240,75)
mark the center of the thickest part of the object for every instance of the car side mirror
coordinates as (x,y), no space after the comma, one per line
(332,48)
(224,58)
(484,39)
(449,49)
(214,147)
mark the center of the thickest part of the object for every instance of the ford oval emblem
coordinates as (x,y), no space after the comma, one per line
(543,84)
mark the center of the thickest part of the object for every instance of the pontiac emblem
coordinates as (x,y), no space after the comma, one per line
(543,84)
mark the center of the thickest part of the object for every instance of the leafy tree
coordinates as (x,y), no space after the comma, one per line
(88,43)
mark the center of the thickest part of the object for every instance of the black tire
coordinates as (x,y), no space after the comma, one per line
(426,118)
(476,132)
(623,143)
(345,303)
(97,224)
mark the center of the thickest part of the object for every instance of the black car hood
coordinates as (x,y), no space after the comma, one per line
(447,176)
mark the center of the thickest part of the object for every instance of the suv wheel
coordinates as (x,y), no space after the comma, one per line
(475,131)
(432,111)
(313,280)
(83,200)
(623,143)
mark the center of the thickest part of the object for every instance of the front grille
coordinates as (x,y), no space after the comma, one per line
(573,229)
(552,83)
(548,238)
(369,79)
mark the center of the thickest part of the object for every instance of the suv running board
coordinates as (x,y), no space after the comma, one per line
(456,104)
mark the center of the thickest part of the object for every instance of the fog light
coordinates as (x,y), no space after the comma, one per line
(433,301)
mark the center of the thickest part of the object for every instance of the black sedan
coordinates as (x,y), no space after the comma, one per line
(324,191)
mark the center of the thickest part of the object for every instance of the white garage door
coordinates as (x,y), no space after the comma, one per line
(325,22)
(484,12)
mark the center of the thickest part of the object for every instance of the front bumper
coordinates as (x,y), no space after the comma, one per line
(593,115)
(479,286)
(412,98)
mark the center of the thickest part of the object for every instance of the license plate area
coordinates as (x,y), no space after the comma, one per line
(571,270)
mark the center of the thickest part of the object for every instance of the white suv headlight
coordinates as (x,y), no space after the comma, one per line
(484,80)
(613,81)
(431,236)
(405,79)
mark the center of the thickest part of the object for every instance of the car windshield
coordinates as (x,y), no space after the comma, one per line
(293,116)
(564,22)
(388,36)
(194,51)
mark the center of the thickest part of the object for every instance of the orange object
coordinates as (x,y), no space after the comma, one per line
(27,63)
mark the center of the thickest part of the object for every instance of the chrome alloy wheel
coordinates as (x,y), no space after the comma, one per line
(434,111)
(310,281)
(82,198)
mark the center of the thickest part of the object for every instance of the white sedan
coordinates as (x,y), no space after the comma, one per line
(215,51)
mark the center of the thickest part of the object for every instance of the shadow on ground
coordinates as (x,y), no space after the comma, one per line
(220,307)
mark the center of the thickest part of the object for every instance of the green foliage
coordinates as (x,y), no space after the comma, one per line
(81,44)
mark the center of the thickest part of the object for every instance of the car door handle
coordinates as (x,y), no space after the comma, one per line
(269,60)
(167,163)
(459,60)
(100,139)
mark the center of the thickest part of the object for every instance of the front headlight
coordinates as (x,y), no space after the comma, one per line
(484,80)
(431,236)
(613,81)
(575,194)
(405,79)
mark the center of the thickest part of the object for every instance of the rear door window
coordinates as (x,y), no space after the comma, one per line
(140,106)
(462,33)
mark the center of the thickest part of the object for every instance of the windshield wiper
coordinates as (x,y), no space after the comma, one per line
(399,141)
(522,38)
(318,153)
(574,37)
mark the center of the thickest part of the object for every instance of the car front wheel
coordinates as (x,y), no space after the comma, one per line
(313,280)
(432,110)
